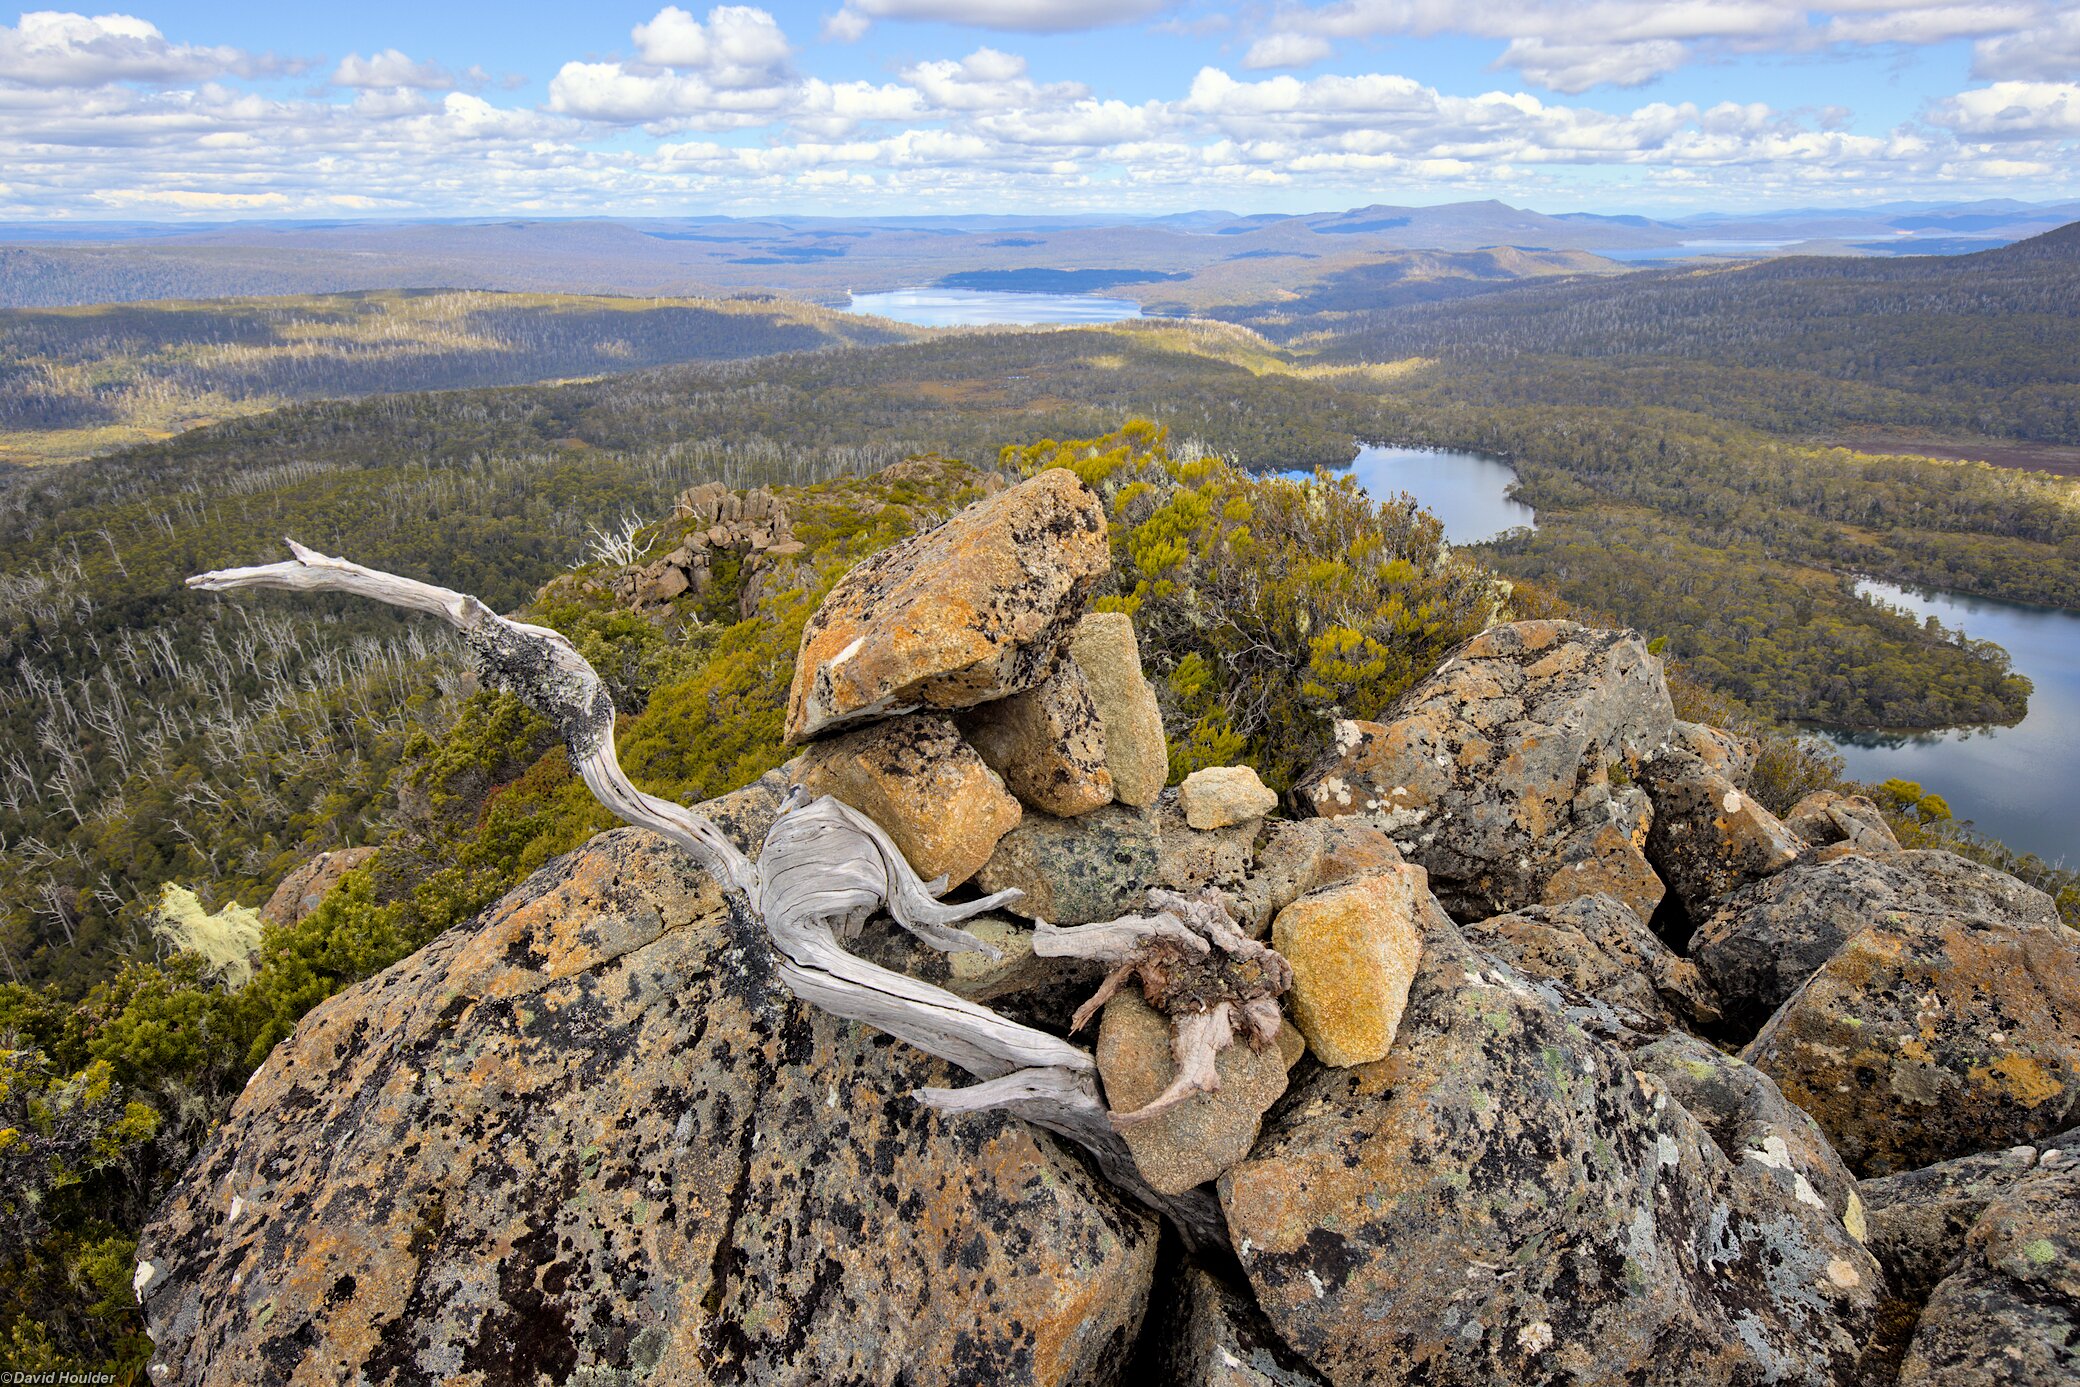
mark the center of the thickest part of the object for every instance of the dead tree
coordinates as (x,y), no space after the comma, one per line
(825,868)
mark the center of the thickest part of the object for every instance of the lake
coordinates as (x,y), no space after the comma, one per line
(2020,784)
(992,307)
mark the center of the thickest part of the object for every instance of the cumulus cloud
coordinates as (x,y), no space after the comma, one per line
(391,68)
(1287,50)
(2046,51)
(1574,67)
(1024,16)
(738,46)
(52,49)
(729,71)
(2013,111)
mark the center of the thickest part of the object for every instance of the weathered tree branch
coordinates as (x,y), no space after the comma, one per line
(823,870)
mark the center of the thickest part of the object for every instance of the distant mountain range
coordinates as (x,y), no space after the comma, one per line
(823,259)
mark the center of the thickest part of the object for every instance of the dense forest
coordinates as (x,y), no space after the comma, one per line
(77,381)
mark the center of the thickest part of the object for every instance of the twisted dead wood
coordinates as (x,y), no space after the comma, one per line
(823,869)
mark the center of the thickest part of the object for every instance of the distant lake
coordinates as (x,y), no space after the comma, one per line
(2022,783)
(1467,492)
(986,307)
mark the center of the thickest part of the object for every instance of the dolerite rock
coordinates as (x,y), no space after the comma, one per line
(1597,946)
(1709,836)
(1499,756)
(1047,744)
(1097,866)
(921,782)
(745,815)
(1218,796)
(1933,1035)
(1609,859)
(1192,858)
(1213,1335)
(1750,1120)
(1729,754)
(2009,1316)
(1302,855)
(1354,948)
(1757,945)
(972,610)
(1136,752)
(589,1138)
(1919,1218)
(1502,1200)
(1200,1138)
(303,889)
(1847,823)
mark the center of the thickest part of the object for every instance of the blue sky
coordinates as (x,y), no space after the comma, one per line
(391,110)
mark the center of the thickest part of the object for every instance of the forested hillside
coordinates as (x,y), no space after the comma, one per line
(77,381)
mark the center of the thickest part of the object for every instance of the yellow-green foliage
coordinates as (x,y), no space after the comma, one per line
(1266,605)
(225,941)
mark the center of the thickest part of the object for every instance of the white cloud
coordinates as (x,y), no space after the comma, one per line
(1026,16)
(1929,23)
(2013,111)
(738,46)
(987,80)
(48,48)
(1573,68)
(391,68)
(1287,49)
(2048,51)
(846,26)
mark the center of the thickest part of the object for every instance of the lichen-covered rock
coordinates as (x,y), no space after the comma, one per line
(1046,743)
(306,886)
(1301,855)
(2009,1316)
(1136,751)
(1831,819)
(745,815)
(972,610)
(590,1135)
(1503,1200)
(1609,859)
(1757,945)
(1192,858)
(916,777)
(1730,754)
(1217,796)
(1213,1335)
(1933,1035)
(1709,836)
(1750,1120)
(1097,866)
(1919,1218)
(1498,756)
(1200,1138)
(1600,948)
(1354,948)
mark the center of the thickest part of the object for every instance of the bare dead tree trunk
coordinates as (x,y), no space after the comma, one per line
(823,869)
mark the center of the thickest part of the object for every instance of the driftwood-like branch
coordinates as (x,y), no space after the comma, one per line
(823,870)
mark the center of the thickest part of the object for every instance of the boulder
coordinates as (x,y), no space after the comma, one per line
(1354,948)
(1300,855)
(1930,1035)
(746,814)
(2009,1316)
(1218,796)
(1757,945)
(1192,858)
(1609,859)
(1136,752)
(921,782)
(1500,754)
(1730,754)
(1502,1199)
(1708,835)
(1046,743)
(1098,866)
(1848,823)
(302,890)
(1599,947)
(590,1138)
(1919,1218)
(972,610)
(1200,1138)
(1213,1335)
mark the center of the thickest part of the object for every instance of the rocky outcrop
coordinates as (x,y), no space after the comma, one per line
(1047,743)
(973,610)
(915,777)
(1220,796)
(1610,859)
(1758,944)
(1599,947)
(752,526)
(1104,648)
(1213,1335)
(1840,824)
(302,890)
(1073,871)
(1303,855)
(591,1135)
(1933,1034)
(1490,766)
(1708,835)
(2009,1316)
(1502,1199)
(1354,948)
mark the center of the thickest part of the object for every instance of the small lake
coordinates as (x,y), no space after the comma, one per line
(992,307)
(2022,783)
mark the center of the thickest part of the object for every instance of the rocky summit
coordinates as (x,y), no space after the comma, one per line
(1593,1069)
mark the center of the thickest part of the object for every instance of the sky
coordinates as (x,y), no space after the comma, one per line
(378,109)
